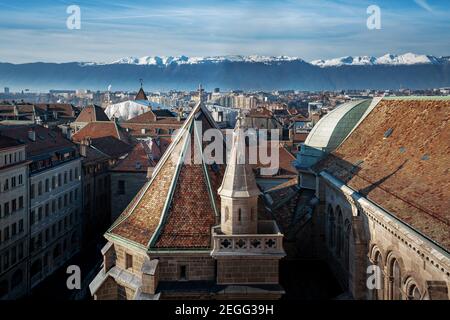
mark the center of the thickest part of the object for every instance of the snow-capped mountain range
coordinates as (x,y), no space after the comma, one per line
(387,59)
(235,72)
(167,60)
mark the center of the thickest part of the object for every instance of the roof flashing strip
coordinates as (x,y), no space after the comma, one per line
(158,167)
(164,214)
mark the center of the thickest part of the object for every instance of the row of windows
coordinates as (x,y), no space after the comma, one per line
(58,250)
(9,232)
(44,211)
(16,280)
(11,183)
(52,232)
(10,207)
(46,185)
(11,256)
(13,157)
(339,234)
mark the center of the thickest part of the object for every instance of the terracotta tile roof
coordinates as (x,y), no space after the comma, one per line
(146,117)
(91,114)
(100,129)
(398,157)
(137,160)
(187,219)
(47,140)
(300,137)
(139,223)
(260,112)
(155,116)
(285,158)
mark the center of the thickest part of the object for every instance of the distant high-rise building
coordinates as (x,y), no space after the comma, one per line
(6,90)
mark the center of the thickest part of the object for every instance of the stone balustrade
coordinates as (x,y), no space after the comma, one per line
(269,240)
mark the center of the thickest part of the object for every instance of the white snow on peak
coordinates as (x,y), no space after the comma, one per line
(167,60)
(388,59)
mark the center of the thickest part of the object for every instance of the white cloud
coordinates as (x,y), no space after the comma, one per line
(424,4)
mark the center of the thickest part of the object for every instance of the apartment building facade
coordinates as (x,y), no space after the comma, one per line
(13,218)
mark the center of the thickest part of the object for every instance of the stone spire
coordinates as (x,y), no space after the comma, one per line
(239,192)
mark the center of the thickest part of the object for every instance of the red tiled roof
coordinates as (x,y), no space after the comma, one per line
(100,129)
(91,114)
(47,140)
(137,160)
(260,112)
(406,173)
(187,219)
(285,158)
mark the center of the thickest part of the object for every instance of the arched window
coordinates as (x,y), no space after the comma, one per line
(36,268)
(239,215)
(396,276)
(379,292)
(413,290)
(331,227)
(252,214)
(16,278)
(339,233)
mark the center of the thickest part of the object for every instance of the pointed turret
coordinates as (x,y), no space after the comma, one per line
(239,192)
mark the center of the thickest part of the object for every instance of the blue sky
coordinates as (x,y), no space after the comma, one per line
(311,29)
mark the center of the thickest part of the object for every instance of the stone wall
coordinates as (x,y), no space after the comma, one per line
(376,238)
(108,290)
(133,183)
(247,271)
(197,267)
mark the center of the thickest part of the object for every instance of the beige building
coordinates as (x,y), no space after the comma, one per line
(381,203)
(182,238)
(55,199)
(13,218)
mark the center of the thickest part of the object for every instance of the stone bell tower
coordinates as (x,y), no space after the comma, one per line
(247,250)
(239,192)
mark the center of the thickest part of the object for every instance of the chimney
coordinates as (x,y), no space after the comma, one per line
(84,145)
(32,134)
